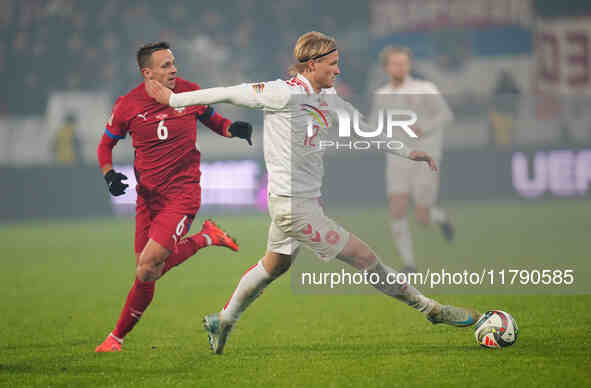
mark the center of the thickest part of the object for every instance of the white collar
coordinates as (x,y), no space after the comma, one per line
(404,83)
(307,84)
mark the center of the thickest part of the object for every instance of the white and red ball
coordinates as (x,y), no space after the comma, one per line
(496,329)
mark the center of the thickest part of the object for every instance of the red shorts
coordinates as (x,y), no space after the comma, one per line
(166,217)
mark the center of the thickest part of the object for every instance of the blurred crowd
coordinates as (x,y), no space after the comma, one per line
(61,45)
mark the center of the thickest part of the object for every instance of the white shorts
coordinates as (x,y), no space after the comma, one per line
(299,222)
(404,176)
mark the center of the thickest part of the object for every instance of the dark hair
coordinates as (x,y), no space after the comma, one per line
(144,53)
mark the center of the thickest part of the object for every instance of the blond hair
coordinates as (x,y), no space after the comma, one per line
(309,46)
(391,50)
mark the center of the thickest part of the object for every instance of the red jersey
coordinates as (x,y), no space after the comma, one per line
(163,137)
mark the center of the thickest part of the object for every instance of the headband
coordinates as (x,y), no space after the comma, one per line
(318,56)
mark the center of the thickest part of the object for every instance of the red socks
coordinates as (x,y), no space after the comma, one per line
(138,299)
(142,293)
(186,248)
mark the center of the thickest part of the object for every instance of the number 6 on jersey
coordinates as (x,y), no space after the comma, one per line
(162,131)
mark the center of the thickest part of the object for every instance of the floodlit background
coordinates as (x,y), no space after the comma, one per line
(515,72)
(515,177)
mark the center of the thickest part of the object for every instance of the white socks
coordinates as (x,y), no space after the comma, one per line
(401,291)
(250,286)
(403,241)
(437,215)
(256,278)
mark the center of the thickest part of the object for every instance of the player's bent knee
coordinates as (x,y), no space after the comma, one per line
(423,221)
(366,260)
(422,215)
(147,273)
(398,211)
(151,261)
(398,206)
(357,253)
(149,267)
(276,264)
(280,269)
(142,273)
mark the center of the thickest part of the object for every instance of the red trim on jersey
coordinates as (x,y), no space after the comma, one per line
(302,84)
(295,81)
(104,151)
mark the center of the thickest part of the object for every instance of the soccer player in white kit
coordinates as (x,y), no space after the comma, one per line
(405,179)
(294,163)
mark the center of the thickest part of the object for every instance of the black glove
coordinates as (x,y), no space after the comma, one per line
(116,187)
(242,130)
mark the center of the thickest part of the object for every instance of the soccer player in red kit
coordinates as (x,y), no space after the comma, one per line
(167,172)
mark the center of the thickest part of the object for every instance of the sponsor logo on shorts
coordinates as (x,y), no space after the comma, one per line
(308,231)
(332,237)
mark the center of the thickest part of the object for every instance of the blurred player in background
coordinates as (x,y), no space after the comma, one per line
(294,162)
(167,170)
(405,179)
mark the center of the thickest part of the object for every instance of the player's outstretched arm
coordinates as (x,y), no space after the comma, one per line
(405,152)
(421,156)
(402,150)
(225,127)
(271,97)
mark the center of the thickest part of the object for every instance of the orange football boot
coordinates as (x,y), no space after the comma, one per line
(109,345)
(218,236)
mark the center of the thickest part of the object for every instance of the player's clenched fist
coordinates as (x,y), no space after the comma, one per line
(242,130)
(158,91)
(421,156)
(114,182)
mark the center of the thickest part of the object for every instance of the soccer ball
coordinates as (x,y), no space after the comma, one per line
(496,329)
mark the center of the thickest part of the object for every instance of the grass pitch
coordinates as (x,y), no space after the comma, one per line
(63,285)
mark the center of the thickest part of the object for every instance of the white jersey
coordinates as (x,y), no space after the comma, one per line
(293,159)
(423,98)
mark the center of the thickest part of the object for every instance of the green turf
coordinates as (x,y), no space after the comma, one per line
(63,284)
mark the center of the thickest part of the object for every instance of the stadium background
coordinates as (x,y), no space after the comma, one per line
(516,173)
(516,74)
